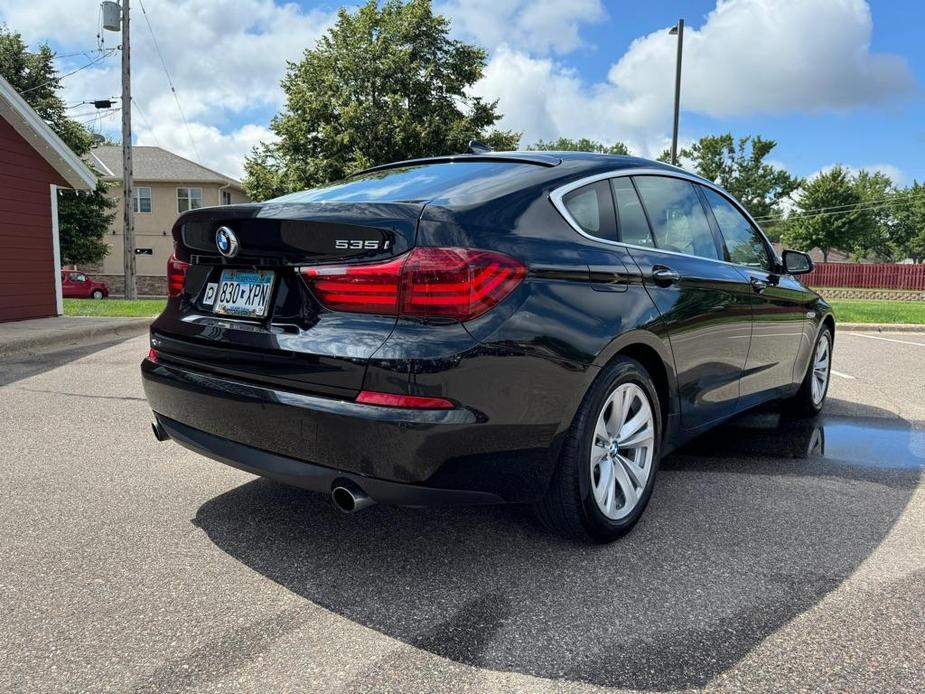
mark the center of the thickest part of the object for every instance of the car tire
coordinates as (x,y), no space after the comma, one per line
(815,386)
(96,294)
(577,504)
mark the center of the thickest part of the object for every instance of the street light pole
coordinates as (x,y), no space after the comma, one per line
(677,30)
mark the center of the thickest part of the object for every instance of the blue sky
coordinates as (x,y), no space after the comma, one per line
(833,81)
(891,133)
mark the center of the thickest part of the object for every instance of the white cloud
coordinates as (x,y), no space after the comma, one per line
(538,26)
(768,56)
(749,57)
(226,58)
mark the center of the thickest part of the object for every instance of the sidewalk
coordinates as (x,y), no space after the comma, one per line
(65,331)
(879,327)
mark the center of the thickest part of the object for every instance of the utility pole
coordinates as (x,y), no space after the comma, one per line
(128,202)
(679,31)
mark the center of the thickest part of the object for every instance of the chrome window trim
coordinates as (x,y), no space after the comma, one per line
(556,196)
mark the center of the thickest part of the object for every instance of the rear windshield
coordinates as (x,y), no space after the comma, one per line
(406,184)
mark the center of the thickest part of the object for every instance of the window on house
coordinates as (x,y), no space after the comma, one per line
(226,197)
(189,199)
(142,197)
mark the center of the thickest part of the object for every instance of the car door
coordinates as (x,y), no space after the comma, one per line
(704,300)
(777,301)
(67,285)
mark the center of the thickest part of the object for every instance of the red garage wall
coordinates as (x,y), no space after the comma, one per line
(27,280)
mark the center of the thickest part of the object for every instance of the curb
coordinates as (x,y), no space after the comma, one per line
(879,327)
(94,330)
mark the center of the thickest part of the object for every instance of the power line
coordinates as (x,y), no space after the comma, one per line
(87,53)
(93,102)
(145,121)
(873,203)
(832,213)
(67,74)
(96,118)
(169,80)
(94,113)
(851,206)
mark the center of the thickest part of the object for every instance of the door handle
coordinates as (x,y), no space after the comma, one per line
(665,276)
(758,285)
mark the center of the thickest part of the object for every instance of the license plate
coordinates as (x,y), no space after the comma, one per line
(244,293)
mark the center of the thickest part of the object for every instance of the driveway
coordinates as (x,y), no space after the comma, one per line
(775,555)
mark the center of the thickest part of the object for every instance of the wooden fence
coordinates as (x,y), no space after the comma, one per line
(867,276)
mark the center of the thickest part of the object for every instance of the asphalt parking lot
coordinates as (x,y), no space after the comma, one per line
(776,555)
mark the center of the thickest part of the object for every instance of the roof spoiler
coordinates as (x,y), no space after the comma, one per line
(534,158)
(476,147)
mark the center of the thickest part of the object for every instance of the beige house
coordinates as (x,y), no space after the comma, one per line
(165,185)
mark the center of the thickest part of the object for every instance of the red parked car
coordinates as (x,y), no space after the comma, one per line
(76,285)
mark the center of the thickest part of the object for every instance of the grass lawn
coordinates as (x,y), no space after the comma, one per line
(846,310)
(872,311)
(114,307)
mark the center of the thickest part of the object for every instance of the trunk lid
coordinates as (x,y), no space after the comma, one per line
(293,234)
(297,344)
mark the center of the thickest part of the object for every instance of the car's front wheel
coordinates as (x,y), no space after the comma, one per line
(97,294)
(811,396)
(608,462)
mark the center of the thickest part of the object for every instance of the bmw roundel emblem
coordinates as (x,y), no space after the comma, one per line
(226,242)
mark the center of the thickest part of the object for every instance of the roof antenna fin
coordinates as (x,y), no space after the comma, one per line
(476,147)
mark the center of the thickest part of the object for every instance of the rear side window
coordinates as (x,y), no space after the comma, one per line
(632,226)
(677,215)
(414,183)
(591,207)
(743,242)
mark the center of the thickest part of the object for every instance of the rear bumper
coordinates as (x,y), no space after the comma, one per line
(316,478)
(401,456)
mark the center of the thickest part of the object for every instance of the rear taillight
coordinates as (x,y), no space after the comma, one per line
(176,275)
(456,283)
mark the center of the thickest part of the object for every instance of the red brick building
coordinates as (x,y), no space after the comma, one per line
(34,163)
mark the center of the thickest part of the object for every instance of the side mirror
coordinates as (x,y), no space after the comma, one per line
(797,263)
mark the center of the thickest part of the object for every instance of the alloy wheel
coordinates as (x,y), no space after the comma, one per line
(622,451)
(821,364)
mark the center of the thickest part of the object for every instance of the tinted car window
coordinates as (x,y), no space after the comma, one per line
(591,207)
(677,215)
(405,184)
(632,226)
(743,242)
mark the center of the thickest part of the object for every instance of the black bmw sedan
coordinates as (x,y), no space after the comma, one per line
(476,329)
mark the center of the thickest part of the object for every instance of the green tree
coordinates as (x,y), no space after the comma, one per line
(908,238)
(566,144)
(81,226)
(739,166)
(385,83)
(83,216)
(878,195)
(829,214)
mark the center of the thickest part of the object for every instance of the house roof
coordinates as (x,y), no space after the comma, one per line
(25,121)
(155,164)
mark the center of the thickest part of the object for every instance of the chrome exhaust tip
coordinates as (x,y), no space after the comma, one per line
(350,499)
(159,433)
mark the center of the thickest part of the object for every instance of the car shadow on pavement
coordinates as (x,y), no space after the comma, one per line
(747,529)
